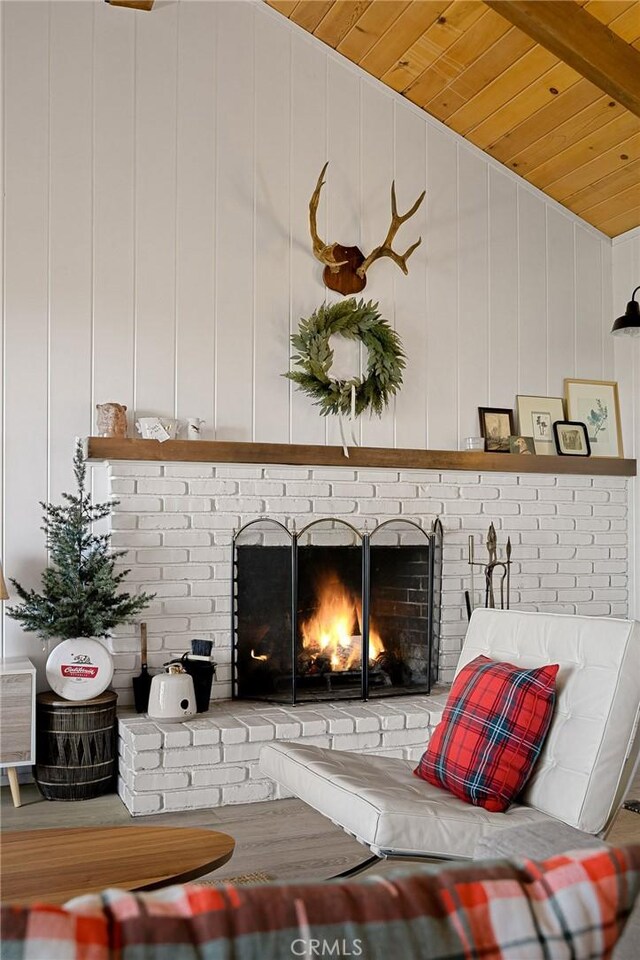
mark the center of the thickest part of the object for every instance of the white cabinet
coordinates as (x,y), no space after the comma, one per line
(17,718)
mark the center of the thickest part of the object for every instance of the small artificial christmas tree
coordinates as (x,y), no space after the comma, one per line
(79,597)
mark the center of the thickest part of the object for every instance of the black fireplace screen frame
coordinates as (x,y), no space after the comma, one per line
(433,539)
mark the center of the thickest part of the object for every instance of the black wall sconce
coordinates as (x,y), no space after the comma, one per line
(628,325)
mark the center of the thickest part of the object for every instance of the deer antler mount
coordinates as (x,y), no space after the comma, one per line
(345,268)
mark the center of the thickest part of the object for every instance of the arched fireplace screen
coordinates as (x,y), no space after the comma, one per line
(332,613)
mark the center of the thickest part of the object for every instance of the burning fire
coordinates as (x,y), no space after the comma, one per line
(334,629)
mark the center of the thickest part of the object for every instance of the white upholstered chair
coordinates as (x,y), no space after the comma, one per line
(581,775)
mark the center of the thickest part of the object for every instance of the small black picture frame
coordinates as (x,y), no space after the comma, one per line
(572,438)
(496,426)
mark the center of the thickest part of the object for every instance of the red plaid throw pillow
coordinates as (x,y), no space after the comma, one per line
(491,732)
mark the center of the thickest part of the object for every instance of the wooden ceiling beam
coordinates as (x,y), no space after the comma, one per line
(581,41)
(132,4)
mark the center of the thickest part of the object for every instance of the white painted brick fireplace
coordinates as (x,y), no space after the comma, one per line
(569,536)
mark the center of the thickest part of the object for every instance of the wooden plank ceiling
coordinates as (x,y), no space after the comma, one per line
(466,65)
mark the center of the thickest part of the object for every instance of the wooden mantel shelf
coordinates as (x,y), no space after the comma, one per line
(220,451)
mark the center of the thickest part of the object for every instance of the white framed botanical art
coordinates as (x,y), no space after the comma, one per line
(595,403)
(536,417)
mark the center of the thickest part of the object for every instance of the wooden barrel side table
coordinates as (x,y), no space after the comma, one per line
(76,755)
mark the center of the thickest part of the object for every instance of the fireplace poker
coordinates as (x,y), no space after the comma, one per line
(502,579)
(508,573)
(492,550)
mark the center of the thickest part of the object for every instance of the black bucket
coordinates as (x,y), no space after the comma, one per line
(202,673)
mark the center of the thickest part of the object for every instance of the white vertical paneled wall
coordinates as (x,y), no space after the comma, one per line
(626,277)
(27,356)
(158,169)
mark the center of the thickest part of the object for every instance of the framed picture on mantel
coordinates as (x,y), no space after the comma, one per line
(595,403)
(496,426)
(536,417)
(572,439)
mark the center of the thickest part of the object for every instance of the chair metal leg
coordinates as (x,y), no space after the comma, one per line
(359,868)
(399,858)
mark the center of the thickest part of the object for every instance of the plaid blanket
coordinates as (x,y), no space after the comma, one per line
(571,906)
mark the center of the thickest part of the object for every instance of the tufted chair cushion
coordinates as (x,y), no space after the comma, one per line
(383,805)
(598,696)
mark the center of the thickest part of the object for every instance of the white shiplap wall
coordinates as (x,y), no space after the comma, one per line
(626,277)
(158,169)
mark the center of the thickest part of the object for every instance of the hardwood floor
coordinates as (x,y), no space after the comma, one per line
(285,838)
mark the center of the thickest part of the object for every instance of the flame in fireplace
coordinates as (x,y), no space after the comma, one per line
(334,630)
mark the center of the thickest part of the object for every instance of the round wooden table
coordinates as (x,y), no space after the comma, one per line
(55,865)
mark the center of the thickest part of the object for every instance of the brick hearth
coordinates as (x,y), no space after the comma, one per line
(212,760)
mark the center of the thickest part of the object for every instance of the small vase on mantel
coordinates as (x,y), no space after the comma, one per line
(112,420)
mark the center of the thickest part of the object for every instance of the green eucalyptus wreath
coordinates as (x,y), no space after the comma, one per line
(355,320)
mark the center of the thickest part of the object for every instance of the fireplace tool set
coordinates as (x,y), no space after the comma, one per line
(501,569)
